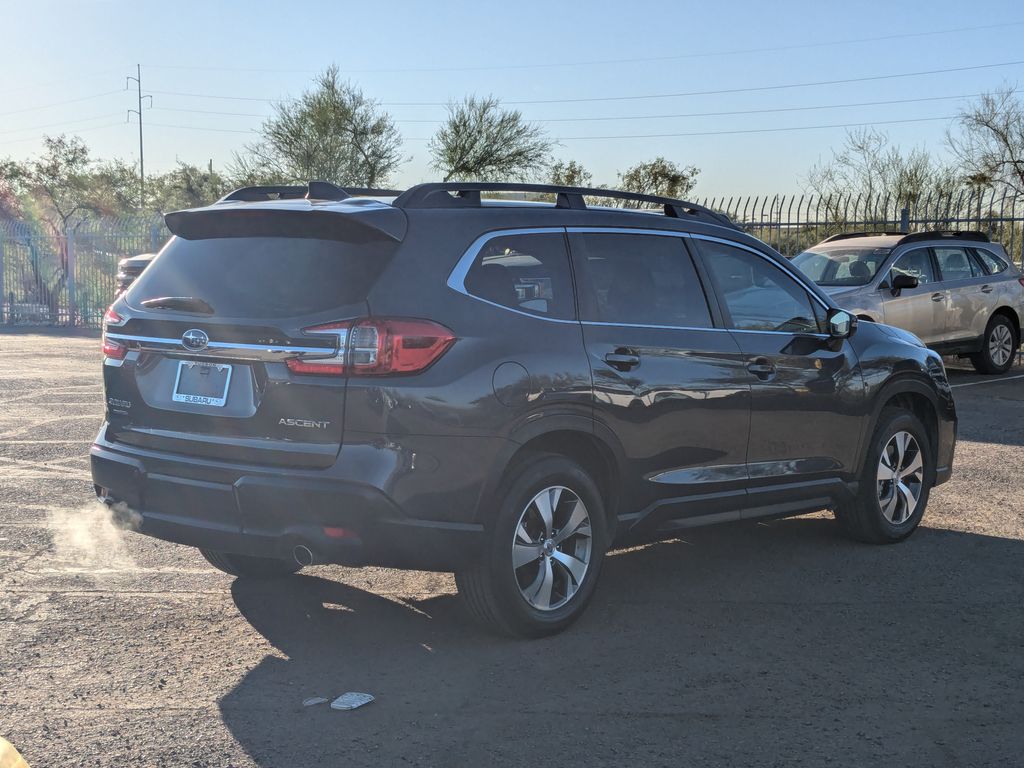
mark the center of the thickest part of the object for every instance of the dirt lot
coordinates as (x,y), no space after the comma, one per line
(756,644)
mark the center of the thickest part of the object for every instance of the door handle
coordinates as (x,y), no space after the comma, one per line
(937,297)
(622,359)
(762,367)
(986,289)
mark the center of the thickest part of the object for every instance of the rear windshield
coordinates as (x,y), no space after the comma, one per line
(263,276)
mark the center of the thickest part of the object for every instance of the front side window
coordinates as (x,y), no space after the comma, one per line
(916,263)
(954,264)
(758,295)
(638,280)
(525,272)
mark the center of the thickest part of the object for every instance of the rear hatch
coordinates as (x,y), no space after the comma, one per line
(221,347)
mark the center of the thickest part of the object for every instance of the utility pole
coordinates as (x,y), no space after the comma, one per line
(142,162)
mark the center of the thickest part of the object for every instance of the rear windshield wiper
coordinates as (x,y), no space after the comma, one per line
(179,303)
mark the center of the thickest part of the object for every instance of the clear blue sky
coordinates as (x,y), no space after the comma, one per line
(65,63)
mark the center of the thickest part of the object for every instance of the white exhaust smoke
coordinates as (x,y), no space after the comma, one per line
(92,539)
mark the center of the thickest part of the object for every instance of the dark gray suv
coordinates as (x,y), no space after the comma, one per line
(499,388)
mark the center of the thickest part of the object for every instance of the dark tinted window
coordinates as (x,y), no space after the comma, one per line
(263,276)
(638,279)
(525,272)
(992,263)
(954,264)
(917,263)
(758,295)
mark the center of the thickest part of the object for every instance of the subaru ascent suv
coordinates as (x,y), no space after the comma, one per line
(504,389)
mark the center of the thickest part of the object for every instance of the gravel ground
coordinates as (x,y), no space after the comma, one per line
(755,644)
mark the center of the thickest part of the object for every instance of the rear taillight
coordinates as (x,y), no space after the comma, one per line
(378,347)
(112,349)
(1021,281)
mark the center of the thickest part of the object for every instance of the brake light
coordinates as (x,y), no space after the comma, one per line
(110,317)
(379,347)
(1021,281)
(112,349)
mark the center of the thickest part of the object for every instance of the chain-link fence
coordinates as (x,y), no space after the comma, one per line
(53,279)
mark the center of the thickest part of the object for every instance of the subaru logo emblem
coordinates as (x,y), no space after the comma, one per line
(195,340)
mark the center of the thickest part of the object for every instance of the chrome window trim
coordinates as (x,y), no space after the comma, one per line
(457,277)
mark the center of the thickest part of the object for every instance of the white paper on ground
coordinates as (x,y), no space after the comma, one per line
(351,700)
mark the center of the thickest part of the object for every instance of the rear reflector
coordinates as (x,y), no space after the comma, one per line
(378,347)
(339,533)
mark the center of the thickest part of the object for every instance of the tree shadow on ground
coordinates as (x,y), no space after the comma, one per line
(749,644)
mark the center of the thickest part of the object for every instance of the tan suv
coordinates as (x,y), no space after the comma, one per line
(957,291)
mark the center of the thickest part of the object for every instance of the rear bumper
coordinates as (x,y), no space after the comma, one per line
(266,512)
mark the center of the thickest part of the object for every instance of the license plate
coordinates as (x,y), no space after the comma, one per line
(202,383)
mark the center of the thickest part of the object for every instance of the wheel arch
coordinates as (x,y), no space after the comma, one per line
(575,438)
(1011,314)
(911,393)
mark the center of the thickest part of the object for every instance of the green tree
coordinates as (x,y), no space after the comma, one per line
(658,177)
(187,186)
(480,141)
(332,132)
(569,174)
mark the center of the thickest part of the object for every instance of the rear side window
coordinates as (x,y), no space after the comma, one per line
(525,272)
(758,295)
(992,263)
(265,277)
(638,280)
(954,264)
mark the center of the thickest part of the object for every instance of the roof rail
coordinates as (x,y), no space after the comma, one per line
(315,190)
(847,235)
(467,195)
(941,234)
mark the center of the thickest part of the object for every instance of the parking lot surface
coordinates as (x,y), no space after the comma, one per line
(775,643)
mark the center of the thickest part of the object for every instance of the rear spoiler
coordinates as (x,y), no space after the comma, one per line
(348,223)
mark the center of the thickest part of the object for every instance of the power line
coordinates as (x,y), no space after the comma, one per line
(80,130)
(751,130)
(60,124)
(749,89)
(200,128)
(58,103)
(872,78)
(604,118)
(598,62)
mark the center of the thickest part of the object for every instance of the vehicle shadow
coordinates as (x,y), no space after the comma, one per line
(749,644)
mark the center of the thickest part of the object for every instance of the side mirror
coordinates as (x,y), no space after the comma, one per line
(901,281)
(841,324)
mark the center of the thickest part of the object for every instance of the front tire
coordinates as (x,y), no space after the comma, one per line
(998,348)
(543,550)
(247,567)
(898,475)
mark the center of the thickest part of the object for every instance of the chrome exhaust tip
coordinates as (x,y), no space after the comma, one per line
(302,554)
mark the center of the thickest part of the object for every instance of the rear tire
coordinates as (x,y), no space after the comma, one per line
(998,347)
(899,472)
(542,550)
(246,567)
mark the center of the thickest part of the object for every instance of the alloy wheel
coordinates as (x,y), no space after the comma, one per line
(900,477)
(1000,344)
(551,548)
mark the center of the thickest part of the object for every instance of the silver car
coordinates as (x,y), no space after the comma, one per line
(957,291)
